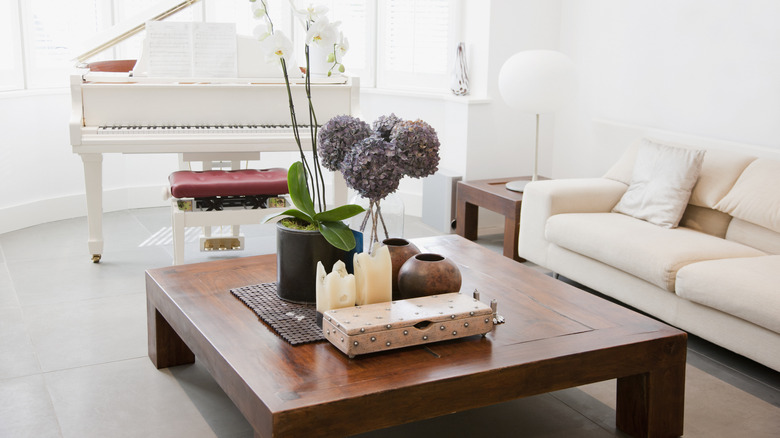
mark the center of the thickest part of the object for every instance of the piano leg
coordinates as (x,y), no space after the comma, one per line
(177,219)
(93,179)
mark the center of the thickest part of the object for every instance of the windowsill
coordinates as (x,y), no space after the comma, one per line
(419,94)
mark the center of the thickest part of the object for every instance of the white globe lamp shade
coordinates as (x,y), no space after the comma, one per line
(537,81)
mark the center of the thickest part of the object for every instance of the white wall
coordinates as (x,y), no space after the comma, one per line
(706,68)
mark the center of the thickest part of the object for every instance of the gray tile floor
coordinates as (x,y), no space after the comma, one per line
(73,353)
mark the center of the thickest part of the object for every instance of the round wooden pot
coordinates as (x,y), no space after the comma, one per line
(428,274)
(401,250)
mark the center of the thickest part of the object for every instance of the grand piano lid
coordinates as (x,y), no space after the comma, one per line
(129,27)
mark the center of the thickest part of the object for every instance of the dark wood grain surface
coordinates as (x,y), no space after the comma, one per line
(555,337)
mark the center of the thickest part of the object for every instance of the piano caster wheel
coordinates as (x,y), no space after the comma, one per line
(95,258)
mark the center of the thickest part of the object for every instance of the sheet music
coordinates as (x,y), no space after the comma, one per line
(191,49)
(214,50)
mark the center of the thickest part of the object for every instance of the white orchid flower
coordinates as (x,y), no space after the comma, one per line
(311,13)
(322,33)
(277,46)
(342,47)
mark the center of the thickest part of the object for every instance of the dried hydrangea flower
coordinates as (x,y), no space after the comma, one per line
(383,125)
(371,168)
(418,148)
(337,137)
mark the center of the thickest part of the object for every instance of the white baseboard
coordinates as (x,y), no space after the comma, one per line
(42,211)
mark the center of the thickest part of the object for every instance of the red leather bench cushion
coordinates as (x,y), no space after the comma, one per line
(191,184)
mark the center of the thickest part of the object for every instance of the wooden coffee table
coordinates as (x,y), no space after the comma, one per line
(555,337)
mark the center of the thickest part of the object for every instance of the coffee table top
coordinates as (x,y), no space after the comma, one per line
(550,327)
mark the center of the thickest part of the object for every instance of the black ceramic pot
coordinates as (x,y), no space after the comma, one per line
(401,250)
(297,254)
(428,274)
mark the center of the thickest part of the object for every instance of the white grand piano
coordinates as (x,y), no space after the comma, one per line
(116,110)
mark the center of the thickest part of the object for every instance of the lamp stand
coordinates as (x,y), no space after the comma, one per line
(519,186)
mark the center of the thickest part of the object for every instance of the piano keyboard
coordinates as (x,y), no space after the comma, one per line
(200,130)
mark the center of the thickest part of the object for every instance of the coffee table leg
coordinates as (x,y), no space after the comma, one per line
(652,404)
(166,349)
(467,217)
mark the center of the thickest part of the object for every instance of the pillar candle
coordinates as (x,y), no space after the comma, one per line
(373,276)
(334,290)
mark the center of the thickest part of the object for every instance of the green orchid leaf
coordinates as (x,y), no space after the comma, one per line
(338,235)
(339,213)
(291,212)
(299,190)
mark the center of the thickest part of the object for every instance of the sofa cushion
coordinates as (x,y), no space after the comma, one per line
(661,183)
(644,250)
(755,197)
(753,235)
(748,288)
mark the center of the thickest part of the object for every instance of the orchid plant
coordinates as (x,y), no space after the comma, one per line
(306,182)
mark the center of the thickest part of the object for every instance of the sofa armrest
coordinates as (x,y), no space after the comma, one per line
(543,199)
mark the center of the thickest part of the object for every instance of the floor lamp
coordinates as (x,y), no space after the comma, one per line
(538,82)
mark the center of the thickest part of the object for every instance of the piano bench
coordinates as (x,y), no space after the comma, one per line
(221,187)
(210,183)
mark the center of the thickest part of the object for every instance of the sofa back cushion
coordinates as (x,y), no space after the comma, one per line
(755,196)
(719,171)
(753,235)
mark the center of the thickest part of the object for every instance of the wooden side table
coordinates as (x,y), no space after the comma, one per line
(490,194)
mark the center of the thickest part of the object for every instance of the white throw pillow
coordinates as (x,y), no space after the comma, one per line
(661,183)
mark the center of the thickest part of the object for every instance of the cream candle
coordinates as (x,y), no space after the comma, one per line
(334,290)
(373,276)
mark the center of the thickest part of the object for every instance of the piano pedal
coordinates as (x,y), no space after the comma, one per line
(222,243)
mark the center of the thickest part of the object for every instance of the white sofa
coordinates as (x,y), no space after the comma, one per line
(716,276)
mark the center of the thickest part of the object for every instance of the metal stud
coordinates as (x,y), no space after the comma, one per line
(452,316)
(373,338)
(441,328)
(471,313)
(486,320)
(355,343)
(454,333)
(388,326)
(406,332)
(425,338)
(465,324)
(362,330)
(342,339)
(387,343)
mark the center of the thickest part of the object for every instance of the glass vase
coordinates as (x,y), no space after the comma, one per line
(460,72)
(383,219)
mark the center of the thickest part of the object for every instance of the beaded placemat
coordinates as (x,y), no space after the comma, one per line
(295,323)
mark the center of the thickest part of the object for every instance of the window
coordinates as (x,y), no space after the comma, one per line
(52,31)
(397,44)
(11,77)
(415,43)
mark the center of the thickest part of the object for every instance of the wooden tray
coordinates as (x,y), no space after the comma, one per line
(386,326)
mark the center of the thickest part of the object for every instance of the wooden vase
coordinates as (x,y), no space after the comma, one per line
(401,250)
(428,274)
